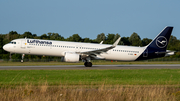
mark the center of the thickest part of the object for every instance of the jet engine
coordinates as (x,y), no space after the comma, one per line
(71,57)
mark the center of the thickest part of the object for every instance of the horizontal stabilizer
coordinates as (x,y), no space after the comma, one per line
(167,51)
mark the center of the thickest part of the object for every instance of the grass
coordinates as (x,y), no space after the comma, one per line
(90,85)
(91,77)
(81,63)
(89,93)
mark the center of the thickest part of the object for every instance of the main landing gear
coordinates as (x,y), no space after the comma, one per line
(22,58)
(88,64)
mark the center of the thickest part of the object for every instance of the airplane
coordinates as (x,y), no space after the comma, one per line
(76,51)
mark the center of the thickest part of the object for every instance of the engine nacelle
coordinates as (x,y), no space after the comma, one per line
(71,57)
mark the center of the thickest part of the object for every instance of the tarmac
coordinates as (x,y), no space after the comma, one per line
(82,67)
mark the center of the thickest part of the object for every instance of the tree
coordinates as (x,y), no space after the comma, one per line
(87,40)
(27,35)
(174,44)
(135,39)
(49,35)
(146,41)
(61,38)
(34,35)
(13,35)
(101,37)
(16,56)
(44,36)
(1,46)
(116,37)
(125,41)
(54,36)
(5,56)
(75,38)
(109,39)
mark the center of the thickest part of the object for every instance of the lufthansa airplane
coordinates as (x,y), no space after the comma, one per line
(76,51)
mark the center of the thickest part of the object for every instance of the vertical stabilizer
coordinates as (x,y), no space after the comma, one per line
(157,47)
(160,42)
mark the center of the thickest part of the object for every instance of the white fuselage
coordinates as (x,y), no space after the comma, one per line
(59,48)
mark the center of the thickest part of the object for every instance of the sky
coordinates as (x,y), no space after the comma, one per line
(88,18)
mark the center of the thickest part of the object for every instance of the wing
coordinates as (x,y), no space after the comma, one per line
(99,51)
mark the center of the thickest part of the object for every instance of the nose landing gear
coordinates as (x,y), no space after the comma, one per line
(22,58)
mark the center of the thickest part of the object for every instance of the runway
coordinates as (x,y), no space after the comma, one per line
(81,67)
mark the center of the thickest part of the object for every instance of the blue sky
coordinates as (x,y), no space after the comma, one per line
(88,18)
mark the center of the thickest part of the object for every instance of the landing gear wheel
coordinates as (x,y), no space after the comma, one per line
(88,64)
(85,64)
(22,61)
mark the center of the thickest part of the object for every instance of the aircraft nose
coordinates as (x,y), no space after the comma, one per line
(5,47)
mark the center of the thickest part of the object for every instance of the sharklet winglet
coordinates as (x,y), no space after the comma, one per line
(117,41)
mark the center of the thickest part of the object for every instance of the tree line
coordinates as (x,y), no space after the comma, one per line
(133,40)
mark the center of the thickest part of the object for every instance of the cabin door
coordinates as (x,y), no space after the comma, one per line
(23,44)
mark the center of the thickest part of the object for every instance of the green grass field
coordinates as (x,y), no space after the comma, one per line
(101,62)
(90,85)
(91,77)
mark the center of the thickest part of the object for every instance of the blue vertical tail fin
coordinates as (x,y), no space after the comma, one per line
(157,47)
(160,42)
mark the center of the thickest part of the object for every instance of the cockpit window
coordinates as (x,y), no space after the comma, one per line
(12,42)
